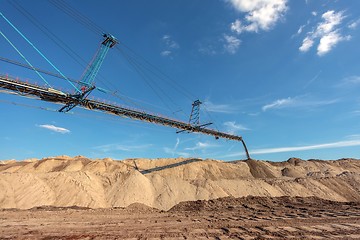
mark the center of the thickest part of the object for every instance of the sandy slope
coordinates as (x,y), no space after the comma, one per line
(162,183)
(246,218)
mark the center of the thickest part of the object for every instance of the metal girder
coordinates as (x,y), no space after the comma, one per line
(53,95)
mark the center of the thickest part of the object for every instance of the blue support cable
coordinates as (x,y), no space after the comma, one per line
(92,72)
(17,50)
(98,65)
(28,41)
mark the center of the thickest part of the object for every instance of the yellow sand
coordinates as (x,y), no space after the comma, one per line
(162,183)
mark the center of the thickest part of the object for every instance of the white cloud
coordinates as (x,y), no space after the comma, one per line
(309,147)
(260,14)
(353,80)
(331,20)
(208,46)
(201,146)
(306,45)
(349,81)
(297,102)
(236,26)
(207,50)
(54,128)
(312,79)
(173,151)
(328,41)
(314,13)
(301,28)
(165,53)
(354,24)
(231,44)
(169,42)
(339,144)
(280,103)
(328,33)
(232,127)
(121,147)
(169,46)
(219,108)
(177,143)
(353,137)
(255,114)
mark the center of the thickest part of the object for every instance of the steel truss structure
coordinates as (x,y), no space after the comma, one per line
(56,96)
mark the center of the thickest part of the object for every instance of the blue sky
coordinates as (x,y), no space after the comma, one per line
(284,74)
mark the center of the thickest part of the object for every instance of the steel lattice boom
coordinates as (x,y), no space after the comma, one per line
(56,96)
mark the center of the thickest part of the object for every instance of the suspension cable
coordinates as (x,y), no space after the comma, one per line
(136,64)
(35,69)
(41,54)
(116,95)
(89,24)
(76,57)
(107,118)
(160,74)
(31,66)
(76,15)
(144,77)
(141,67)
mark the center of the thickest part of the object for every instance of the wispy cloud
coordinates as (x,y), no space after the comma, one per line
(349,81)
(219,108)
(259,14)
(280,103)
(236,26)
(201,146)
(297,102)
(231,44)
(165,53)
(353,136)
(54,128)
(207,49)
(232,127)
(300,30)
(173,151)
(122,147)
(354,24)
(169,46)
(306,44)
(356,112)
(339,144)
(312,79)
(328,33)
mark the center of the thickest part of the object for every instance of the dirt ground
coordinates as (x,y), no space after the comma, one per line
(226,218)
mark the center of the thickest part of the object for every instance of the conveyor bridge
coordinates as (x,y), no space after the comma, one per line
(57,96)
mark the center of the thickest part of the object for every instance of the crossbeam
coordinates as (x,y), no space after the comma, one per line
(56,96)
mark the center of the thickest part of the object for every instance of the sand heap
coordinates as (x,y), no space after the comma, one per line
(162,183)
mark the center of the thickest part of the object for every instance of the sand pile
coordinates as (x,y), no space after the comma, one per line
(162,183)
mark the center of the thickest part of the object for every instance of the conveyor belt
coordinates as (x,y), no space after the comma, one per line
(53,95)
